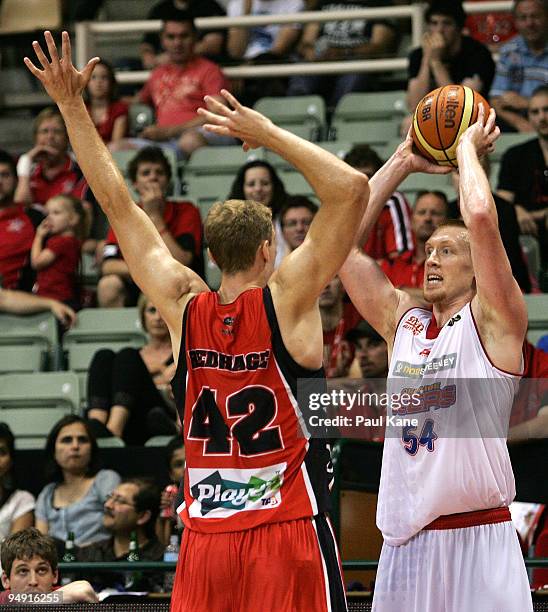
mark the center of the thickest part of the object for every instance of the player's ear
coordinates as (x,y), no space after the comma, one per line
(5,581)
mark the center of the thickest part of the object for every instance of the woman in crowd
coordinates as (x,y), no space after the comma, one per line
(257,180)
(109,115)
(172,495)
(73,500)
(128,391)
(16,506)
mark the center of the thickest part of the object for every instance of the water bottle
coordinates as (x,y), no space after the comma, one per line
(133,578)
(68,557)
(171,554)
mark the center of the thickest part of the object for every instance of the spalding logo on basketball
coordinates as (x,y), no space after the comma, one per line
(441,118)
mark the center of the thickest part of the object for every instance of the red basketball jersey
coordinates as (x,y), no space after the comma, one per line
(249,458)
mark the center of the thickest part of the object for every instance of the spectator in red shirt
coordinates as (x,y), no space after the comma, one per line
(29,565)
(47,169)
(55,252)
(109,115)
(178,222)
(16,228)
(529,416)
(391,234)
(407,270)
(338,318)
(176,90)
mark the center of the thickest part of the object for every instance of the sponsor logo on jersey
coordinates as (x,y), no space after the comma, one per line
(453,320)
(415,370)
(414,325)
(204,358)
(224,492)
(431,397)
(424,352)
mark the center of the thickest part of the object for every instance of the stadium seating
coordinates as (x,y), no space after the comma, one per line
(160,441)
(220,160)
(537,309)
(339,148)
(531,249)
(302,115)
(32,403)
(208,189)
(38,330)
(419,181)
(21,359)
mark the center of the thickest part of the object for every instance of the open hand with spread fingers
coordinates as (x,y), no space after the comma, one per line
(482,134)
(59,77)
(236,120)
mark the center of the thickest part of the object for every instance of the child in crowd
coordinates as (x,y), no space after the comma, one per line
(109,115)
(55,252)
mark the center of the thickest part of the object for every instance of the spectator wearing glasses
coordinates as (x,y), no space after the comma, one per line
(295,219)
(133,506)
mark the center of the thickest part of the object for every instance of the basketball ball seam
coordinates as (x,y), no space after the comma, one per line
(438,127)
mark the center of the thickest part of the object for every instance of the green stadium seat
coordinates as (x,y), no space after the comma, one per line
(38,329)
(14,359)
(111,442)
(368,106)
(106,325)
(419,181)
(139,116)
(295,183)
(377,132)
(158,441)
(537,311)
(212,272)
(220,160)
(32,403)
(302,115)
(206,190)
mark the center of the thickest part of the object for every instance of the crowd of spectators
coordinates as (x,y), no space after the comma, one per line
(49,217)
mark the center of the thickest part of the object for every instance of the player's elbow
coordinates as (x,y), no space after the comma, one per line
(357,189)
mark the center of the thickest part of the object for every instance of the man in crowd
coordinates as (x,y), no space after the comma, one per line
(446,56)
(522,66)
(338,318)
(176,90)
(523,174)
(133,506)
(342,40)
(178,222)
(406,271)
(295,219)
(29,566)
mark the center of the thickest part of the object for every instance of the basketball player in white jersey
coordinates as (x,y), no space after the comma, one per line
(449,544)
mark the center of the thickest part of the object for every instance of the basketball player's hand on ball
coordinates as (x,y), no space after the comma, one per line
(234,119)
(59,77)
(414,162)
(482,134)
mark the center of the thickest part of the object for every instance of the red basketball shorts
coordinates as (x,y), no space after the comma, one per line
(280,567)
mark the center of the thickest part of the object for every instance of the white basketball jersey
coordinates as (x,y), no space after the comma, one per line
(453,457)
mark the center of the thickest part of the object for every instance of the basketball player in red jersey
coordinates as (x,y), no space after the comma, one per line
(449,543)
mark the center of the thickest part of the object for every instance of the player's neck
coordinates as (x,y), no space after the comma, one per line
(444,311)
(234,285)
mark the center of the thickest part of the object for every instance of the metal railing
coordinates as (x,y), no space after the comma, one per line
(86,33)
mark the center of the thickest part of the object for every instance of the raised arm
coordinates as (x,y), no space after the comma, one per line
(342,190)
(376,299)
(499,306)
(151,265)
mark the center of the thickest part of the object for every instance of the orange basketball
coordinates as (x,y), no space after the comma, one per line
(441,118)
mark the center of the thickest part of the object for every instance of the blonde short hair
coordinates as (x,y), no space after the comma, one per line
(234,230)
